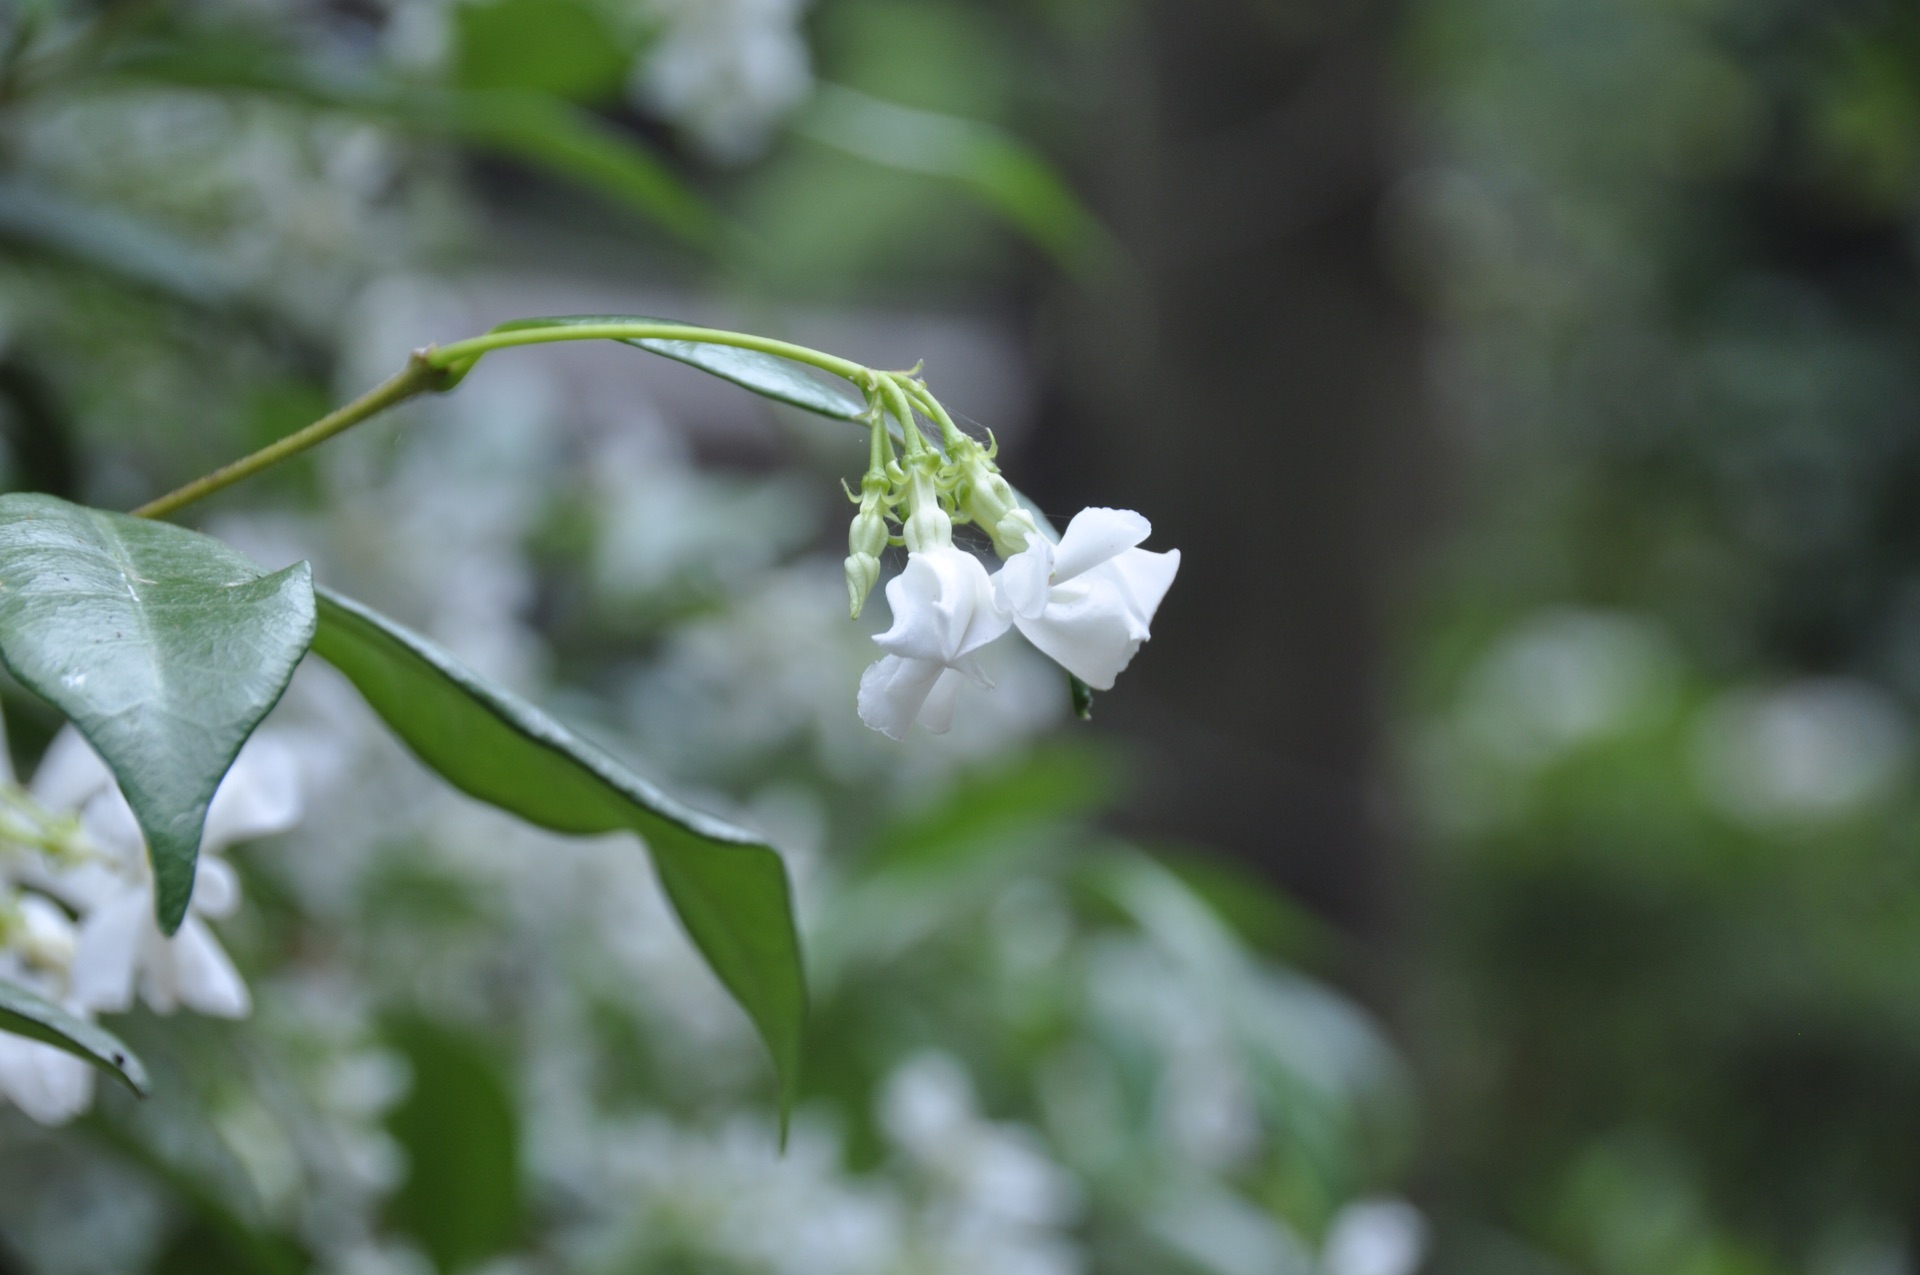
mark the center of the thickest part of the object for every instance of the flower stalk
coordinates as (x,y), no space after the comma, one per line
(1086,601)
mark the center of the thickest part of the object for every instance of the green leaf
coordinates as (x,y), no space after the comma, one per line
(164,648)
(25,1014)
(992,165)
(767,375)
(523,124)
(460,1129)
(562,47)
(728,887)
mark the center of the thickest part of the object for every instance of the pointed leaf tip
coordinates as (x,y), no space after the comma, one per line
(164,648)
(25,1014)
(727,886)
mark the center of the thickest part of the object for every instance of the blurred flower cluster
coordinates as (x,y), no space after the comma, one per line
(78,896)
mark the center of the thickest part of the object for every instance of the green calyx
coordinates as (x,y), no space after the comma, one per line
(928,489)
(984,497)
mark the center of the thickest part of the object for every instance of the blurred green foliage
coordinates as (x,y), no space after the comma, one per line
(1662,689)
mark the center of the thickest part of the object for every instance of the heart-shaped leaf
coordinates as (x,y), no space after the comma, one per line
(164,648)
(25,1014)
(768,375)
(728,887)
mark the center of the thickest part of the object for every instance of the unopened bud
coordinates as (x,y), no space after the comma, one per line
(863,572)
(989,500)
(927,526)
(1013,532)
(866,541)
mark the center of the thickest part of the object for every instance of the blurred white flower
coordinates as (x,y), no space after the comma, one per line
(1810,751)
(998,1176)
(50,1085)
(120,947)
(1565,678)
(943,611)
(726,70)
(1375,1237)
(1088,601)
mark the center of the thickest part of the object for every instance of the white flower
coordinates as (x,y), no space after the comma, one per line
(1087,601)
(120,947)
(1375,1237)
(50,1085)
(943,611)
(727,70)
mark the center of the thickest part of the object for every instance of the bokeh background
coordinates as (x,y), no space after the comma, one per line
(1505,858)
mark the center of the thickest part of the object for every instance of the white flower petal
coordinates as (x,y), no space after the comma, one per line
(1023,583)
(259,796)
(216,888)
(943,607)
(1144,578)
(107,957)
(892,692)
(110,825)
(86,887)
(937,714)
(70,773)
(204,977)
(1094,536)
(48,1084)
(1088,629)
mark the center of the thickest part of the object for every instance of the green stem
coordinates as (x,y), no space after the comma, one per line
(949,432)
(897,400)
(417,377)
(440,368)
(461,355)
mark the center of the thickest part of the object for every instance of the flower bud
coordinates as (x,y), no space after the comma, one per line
(927,526)
(989,500)
(863,572)
(866,541)
(1013,532)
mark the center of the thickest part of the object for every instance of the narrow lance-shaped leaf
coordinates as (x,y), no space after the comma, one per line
(164,648)
(728,887)
(995,167)
(768,375)
(25,1014)
(536,128)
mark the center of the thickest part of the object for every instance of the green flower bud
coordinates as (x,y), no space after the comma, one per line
(866,541)
(863,572)
(928,525)
(988,499)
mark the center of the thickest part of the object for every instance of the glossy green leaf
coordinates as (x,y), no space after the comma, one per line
(25,1014)
(767,375)
(536,128)
(990,164)
(728,887)
(164,648)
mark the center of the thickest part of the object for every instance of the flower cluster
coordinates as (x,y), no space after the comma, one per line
(77,920)
(1086,600)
